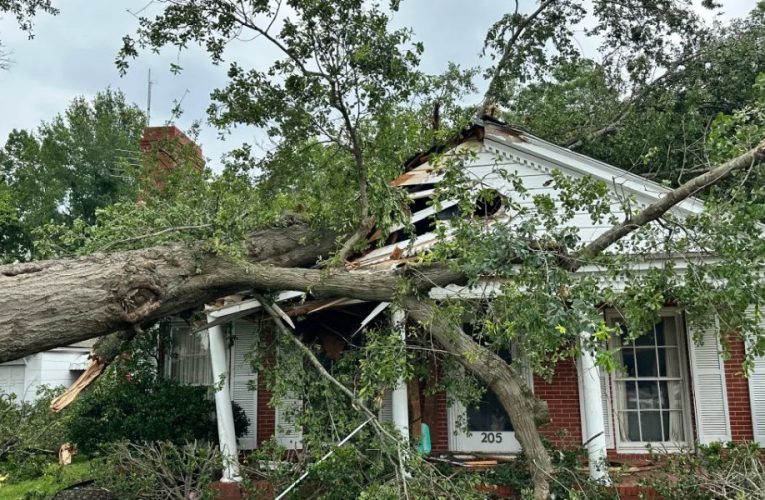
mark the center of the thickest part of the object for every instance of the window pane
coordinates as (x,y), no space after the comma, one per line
(659,329)
(651,425)
(645,358)
(673,426)
(628,360)
(629,426)
(669,364)
(649,395)
(670,331)
(629,395)
(674,396)
(646,340)
(651,383)
(488,416)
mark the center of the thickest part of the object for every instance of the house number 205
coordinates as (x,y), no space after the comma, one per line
(491,437)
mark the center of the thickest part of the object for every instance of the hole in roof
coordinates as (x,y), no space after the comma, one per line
(488,203)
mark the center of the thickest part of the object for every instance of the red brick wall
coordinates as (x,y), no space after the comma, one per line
(439,424)
(562,396)
(739,407)
(266,414)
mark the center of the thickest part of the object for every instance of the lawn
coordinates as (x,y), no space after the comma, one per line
(55,479)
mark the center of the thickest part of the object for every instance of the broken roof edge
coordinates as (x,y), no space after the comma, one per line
(527,144)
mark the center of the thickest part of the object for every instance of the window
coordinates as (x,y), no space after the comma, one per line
(650,394)
(483,427)
(189,361)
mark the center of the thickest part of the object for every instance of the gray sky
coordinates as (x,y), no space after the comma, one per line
(73,54)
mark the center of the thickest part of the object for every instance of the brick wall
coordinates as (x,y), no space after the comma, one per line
(562,396)
(739,407)
(435,411)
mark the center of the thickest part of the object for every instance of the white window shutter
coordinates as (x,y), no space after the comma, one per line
(605,394)
(386,410)
(288,433)
(757,397)
(242,379)
(709,389)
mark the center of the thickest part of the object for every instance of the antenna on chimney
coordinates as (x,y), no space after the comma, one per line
(148,100)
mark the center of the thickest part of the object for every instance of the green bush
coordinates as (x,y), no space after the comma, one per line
(30,435)
(712,471)
(144,408)
(160,470)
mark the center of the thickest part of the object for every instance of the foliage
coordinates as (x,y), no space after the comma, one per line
(54,478)
(634,37)
(138,406)
(571,480)
(345,103)
(24,10)
(712,471)
(580,101)
(30,435)
(160,470)
(67,169)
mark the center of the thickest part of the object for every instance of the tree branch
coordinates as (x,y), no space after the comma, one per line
(657,209)
(510,46)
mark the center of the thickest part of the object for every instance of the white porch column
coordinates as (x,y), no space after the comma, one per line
(399,397)
(595,430)
(223,411)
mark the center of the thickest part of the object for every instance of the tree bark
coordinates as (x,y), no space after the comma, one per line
(526,412)
(56,303)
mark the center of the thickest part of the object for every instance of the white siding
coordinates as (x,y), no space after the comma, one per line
(243,378)
(12,380)
(55,369)
(709,389)
(535,174)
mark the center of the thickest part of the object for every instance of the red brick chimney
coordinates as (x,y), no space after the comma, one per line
(164,149)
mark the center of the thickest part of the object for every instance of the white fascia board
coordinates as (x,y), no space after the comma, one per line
(535,150)
(249,305)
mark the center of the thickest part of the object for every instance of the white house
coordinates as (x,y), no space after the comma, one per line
(57,367)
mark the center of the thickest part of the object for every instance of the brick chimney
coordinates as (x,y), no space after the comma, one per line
(166,148)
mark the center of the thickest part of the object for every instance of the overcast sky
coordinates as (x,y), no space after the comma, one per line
(73,54)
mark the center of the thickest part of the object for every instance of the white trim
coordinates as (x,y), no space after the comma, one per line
(640,447)
(535,150)
(249,305)
(463,441)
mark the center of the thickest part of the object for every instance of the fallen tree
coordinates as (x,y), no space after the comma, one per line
(49,304)
(348,90)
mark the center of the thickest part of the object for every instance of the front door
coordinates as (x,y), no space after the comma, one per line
(483,428)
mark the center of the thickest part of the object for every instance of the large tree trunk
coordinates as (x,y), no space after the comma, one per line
(526,412)
(55,303)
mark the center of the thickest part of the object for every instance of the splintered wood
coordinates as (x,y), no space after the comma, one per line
(93,371)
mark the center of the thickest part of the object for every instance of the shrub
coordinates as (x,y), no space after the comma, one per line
(144,408)
(30,435)
(160,470)
(713,471)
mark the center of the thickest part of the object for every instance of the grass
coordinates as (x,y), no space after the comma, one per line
(55,478)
